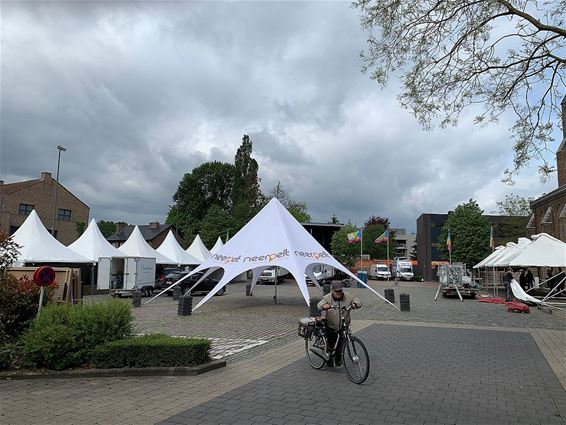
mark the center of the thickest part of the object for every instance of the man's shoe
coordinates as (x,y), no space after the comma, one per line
(338,362)
(330,363)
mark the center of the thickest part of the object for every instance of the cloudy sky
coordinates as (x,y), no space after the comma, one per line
(142,92)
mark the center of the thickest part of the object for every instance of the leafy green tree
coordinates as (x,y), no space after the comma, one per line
(469,233)
(334,220)
(378,251)
(375,220)
(217,222)
(519,211)
(297,209)
(80,227)
(499,55)
(246,182)
(108,228)
(413,254)
(344,252)
(208,184)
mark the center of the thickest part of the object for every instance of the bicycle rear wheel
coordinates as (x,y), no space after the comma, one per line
(355,360)
(315,346)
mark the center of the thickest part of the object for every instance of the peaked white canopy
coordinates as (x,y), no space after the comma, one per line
(136,246)
(171,249)
(493,255)
(511,252)
(272,238)
(37,245)
(493,261)
(219,244)
(198,250)
(93,245)
(543,251)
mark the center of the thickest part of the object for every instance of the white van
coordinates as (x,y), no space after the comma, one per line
(380,271)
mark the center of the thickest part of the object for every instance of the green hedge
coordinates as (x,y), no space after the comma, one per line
(156,350)
(64,336)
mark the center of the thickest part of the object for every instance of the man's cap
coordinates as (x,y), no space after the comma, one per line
(337,285)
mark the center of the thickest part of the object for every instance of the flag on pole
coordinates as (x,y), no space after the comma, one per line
(491,239)
(354,237)
(449,242)
(383,238)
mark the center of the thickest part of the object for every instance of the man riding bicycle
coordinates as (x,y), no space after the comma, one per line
(332,305)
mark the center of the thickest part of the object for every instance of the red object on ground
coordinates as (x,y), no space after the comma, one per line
(492,300)
(517,307)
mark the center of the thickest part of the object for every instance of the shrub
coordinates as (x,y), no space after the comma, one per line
(19,300)
(64,336)
(8,353)
(155,350)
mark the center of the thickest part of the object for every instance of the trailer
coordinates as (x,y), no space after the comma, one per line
(454,280)
(402,268)
(139,274)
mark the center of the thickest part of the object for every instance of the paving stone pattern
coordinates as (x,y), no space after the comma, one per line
(419,375)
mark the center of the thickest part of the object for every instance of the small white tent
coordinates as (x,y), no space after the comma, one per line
(37,245)
(171,249)
(272,238)
(93,245)
(136,246)
(219,244)
(493,255)
(543,251)
(198,250)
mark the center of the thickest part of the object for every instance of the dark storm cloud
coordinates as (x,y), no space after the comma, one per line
(141,93)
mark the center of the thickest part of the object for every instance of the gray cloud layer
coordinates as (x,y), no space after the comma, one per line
(141,93)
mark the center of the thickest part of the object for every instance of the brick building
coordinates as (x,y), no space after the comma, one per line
(18,199)
(549,211)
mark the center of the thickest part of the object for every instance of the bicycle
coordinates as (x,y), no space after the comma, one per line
(355,358)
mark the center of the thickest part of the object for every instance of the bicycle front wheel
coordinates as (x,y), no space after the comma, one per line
(315,347)
(356,360)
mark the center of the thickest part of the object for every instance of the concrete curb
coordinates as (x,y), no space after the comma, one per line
(118,373)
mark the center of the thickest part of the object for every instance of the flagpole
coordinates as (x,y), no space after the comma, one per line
(361,249)
(387,230)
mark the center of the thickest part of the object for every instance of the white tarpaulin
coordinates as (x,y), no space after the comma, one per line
(37,245)
(543,251)
(93,245)
(502,252)
(216,246)
(198,250)
(136,246)
(272,238)
(171,249)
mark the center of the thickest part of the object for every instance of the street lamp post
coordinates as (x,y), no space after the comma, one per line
(60,149)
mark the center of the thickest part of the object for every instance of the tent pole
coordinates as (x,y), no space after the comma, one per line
(361,249)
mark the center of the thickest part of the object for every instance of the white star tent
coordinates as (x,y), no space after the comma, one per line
(171,249)
(37,245)
(543,251)
(136,246)
(216,246)
(272,238)
(198,250)
(93,245)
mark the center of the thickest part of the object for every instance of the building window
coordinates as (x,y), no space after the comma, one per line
(64,215)
(25,209)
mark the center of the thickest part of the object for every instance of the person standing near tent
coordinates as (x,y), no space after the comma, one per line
(507,278)
(523,280)
(332,304)
(530,279)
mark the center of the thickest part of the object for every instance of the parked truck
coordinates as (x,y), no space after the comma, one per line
(139,274)
(402,268)
(380,271)
(322,273)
